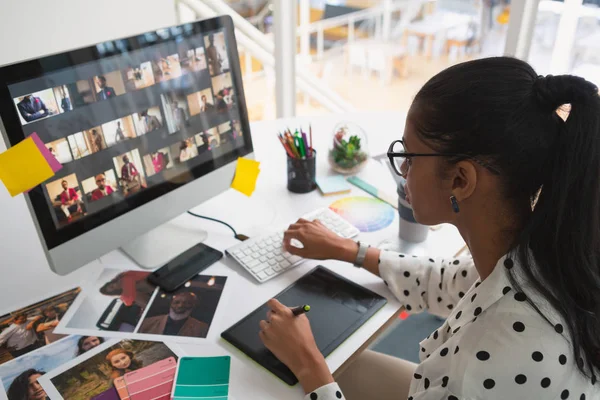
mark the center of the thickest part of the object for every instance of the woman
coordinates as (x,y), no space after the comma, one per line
(483,149)
(187,150)
(121,362)
(86,343)
(26,387)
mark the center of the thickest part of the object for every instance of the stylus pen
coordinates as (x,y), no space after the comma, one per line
(300,310)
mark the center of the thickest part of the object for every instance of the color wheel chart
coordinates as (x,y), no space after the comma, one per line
(365,213)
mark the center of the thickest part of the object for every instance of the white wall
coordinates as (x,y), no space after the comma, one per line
(30,29)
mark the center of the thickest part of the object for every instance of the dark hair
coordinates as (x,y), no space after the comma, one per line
(102,78)
(106,291)
(19,388)
(19,315)
(499,111)
(64,181)
(82,339)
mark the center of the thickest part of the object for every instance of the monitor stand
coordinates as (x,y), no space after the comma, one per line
(162,244)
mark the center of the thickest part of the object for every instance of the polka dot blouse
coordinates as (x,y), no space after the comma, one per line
(493,345)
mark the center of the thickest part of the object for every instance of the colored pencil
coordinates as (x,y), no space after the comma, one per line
(306,146)
(311,140)
(285,146)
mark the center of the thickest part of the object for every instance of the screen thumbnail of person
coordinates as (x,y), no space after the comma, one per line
(19,377)
(81,93)
(184,150)
(108,85)
(216,53)
(165,68)
(212,138)
(94,373)
(60,150)
(225,132)
(158,161)
(36,106)
(147,120)
(63,98)
(66,199)
(201,101)
(118,131)
(188,311)
(224,94)
(95,139)
(103,184)
(80,146)
(176,110)
(138,77)
(32,327)
(193,60)
(130,172)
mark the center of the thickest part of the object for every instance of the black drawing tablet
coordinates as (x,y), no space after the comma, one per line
(338,308)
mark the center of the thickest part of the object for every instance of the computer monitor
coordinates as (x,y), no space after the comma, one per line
(145,128)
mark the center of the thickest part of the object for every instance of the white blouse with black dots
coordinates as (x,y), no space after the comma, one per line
(493,345)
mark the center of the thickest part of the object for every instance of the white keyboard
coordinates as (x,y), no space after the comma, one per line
(264,256)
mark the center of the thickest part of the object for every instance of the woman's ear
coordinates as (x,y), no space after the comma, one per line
(464,180)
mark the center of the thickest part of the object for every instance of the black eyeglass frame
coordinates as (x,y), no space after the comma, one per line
(391,155)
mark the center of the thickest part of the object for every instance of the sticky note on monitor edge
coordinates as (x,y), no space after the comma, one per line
(23,167)
(246,175)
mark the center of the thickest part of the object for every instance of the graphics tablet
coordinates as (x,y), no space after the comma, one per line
(338,308)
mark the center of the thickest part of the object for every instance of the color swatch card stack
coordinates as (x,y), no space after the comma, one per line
(202,378)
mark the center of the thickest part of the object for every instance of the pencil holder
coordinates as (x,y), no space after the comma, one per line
(302,174)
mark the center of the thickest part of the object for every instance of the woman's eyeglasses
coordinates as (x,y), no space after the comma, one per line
(401,159)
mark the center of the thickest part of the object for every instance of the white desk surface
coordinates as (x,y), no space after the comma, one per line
(270,207)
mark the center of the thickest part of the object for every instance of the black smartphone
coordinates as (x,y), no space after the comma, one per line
(184,267)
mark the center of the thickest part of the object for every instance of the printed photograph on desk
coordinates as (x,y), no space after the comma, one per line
(184,150)
(118,131)
(147,120)
(138,76)
(20,376)
(216,53)
(176,110)
(36,106)
(223,89)
(66,200)
(97,373)
(32,327)
(60,149)
(99,186)
(130,173)
(109,85)
(166,68)
(158,161)
(187,312)
(192,60)
(201,101)
(115,302)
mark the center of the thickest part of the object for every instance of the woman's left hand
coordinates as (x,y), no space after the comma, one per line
(291,340)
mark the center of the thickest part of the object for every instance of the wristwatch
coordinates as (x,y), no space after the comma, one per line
(360,257)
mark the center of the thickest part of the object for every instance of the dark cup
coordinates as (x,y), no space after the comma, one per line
(302,174)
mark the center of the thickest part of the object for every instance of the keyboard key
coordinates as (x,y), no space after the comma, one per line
(277,268)
(252,264)
(261,275)
(246,259)
(269,271)
(279,258)
(294,259)
(259,267)
(263,259)
(272,262)
(285,264)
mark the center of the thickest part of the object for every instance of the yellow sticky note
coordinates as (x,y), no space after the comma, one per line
(246,175)
(23,166)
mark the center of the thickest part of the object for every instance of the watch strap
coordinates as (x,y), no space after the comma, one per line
(362,253)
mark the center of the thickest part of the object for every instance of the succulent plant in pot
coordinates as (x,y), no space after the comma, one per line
(348,153)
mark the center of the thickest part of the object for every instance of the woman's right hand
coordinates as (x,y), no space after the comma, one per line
(319,243)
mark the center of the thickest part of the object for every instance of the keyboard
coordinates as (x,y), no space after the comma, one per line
(264,257)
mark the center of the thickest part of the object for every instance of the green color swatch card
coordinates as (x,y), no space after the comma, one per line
(202,378)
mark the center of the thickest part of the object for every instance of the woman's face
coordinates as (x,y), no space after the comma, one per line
(35,391)
(120,361)
(90,342)
(427,193)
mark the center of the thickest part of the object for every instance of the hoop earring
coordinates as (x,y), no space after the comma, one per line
(454,204)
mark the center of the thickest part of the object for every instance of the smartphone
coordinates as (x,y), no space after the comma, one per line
(184,267)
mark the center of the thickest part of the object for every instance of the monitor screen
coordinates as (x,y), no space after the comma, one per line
(129,120)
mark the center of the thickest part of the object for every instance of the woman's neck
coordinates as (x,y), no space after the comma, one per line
(490,235)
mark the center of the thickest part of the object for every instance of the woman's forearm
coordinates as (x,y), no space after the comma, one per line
(348,250)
